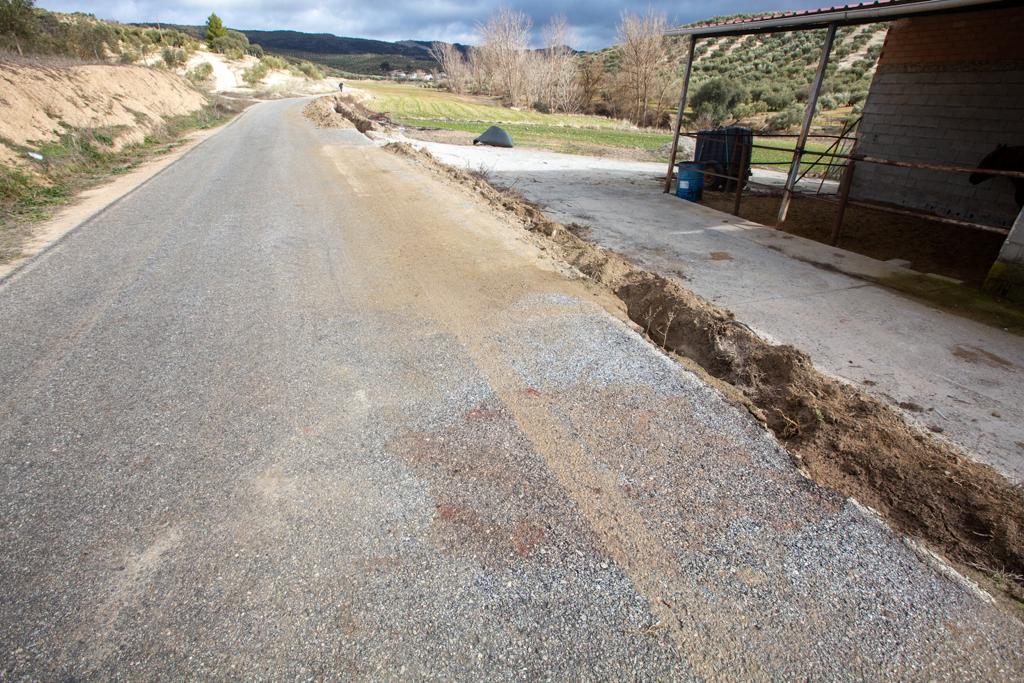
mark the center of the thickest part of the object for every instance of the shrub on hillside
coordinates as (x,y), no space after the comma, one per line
(17,20)
(200,73)
(255,73)
(274,62)
(82,36)
(173,56)
(311,71)
(233,44)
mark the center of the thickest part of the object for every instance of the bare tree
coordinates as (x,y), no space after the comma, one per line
(536,80)
(478,74)
(453,64)
(667,82)
(589,75)
(504,45)
(562,93)
(642,44)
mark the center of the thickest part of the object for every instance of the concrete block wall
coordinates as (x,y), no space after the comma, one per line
(1006,278)
(947,90)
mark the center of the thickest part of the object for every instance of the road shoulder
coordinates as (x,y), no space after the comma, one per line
(93,201)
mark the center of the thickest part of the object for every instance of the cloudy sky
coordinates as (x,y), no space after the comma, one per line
(593,21)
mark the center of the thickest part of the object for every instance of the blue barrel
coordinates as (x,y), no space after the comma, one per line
(691,181)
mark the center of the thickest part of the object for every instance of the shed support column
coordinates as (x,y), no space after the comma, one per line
(679,115)
(1006,277)
(844,197)
(812,103)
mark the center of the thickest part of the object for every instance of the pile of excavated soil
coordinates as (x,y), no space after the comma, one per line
(839,436)
(38,102)
(323,114)
(342,111)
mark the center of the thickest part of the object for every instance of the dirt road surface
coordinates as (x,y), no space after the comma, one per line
(295,409)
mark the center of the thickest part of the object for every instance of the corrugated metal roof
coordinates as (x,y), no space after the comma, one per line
(857,13)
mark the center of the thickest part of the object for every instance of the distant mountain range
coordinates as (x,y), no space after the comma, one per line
(357,55)
(319,43)
(326,43)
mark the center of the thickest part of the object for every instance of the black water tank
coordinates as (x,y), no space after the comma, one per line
(720,150)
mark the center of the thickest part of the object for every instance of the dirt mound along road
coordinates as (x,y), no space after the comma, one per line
(323,114)
(40,102)
(837,435)
(343,111)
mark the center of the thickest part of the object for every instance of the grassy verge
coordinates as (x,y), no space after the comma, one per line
(79,159)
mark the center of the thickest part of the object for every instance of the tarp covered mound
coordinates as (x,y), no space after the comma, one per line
(494,136)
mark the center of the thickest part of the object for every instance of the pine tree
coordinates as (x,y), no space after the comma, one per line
(214,28)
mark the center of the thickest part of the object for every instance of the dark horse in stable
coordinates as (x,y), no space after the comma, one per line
(1003,158)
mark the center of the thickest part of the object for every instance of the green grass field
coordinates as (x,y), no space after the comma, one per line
(413,105)
(413,102)
(553,136)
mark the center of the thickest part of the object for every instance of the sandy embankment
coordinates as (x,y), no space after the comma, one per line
(39,101)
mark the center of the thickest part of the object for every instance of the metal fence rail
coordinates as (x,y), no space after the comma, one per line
(850,162)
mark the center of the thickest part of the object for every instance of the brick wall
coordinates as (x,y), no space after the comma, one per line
(947,90)
(983,36)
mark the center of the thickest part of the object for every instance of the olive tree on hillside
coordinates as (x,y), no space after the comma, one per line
(716,101)
(17,20)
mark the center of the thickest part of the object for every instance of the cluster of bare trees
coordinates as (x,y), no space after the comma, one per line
(555,78)
(644,76)
(503,64)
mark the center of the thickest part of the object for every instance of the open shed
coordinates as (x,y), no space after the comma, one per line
(942,130)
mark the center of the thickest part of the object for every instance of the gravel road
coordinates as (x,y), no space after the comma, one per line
(293,409)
